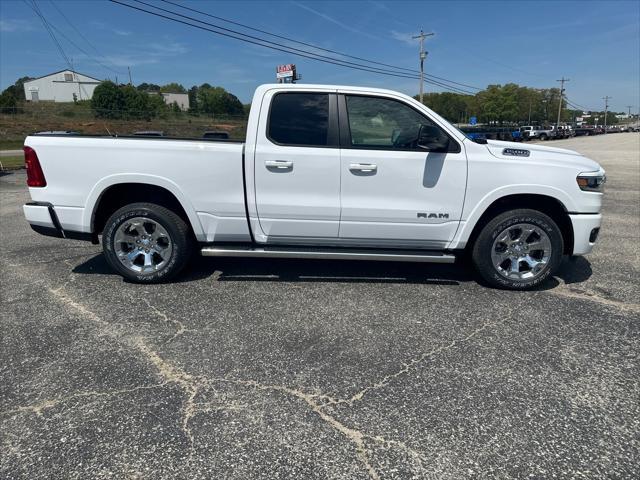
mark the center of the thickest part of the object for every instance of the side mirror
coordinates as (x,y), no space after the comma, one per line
(432,139)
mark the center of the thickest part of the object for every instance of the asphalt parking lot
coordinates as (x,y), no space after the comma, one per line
(299,369)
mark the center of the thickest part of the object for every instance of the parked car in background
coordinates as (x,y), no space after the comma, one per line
(562,131)
(325,172)
(216,134)
(149,133)
(533,132)
(57,132)
(584,130)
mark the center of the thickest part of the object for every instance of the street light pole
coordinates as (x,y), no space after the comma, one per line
(423,55)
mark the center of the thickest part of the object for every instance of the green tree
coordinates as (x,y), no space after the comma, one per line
(148,87)
(8,102)
(193,99)
(216,100)
(108,100)
(452,106)
(136,103)
(156,106)
(173,88)
(175,108)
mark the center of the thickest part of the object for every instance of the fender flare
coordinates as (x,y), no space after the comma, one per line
(466,226)
(101,186)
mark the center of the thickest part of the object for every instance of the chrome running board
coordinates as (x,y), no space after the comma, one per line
(426,256)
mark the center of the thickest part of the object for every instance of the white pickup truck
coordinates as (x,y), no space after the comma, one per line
(326,172)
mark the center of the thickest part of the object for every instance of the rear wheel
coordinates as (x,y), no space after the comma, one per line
(543,137)
(147,243)
(518,250)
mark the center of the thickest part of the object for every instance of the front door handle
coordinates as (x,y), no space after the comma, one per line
(363,167)
(284,164)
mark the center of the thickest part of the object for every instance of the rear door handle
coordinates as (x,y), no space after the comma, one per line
(363,167)
(278,164)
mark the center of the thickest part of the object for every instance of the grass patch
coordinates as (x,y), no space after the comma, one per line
(12,162)
(11,144)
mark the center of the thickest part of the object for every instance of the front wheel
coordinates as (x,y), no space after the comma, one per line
(518,250)
(543,137)
(146,243)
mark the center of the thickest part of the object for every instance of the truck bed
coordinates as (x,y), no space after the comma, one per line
(206,176)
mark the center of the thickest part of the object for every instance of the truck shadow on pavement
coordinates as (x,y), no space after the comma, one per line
(290,270)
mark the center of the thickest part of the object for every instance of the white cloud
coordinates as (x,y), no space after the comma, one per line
(332,20)
(15,25)
(147,54)
(167,49)
(404,37)
(122,33)
(130,60)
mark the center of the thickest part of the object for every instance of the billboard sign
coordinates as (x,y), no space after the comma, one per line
(286,71)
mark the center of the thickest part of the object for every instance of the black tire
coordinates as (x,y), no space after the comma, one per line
(179,235)
(543,137)
(482,249)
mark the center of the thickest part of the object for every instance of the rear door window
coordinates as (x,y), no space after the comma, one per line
(300,119)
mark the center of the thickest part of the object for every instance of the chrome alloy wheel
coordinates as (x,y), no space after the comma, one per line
(142,245)
(521,251)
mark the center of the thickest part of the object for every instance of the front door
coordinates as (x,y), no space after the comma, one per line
(395,193)
(297,168)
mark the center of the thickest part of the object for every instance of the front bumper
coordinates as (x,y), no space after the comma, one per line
(43,219)
(585,232)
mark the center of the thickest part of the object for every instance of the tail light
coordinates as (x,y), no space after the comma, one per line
(35,175)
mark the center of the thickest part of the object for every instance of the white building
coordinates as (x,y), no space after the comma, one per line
(63,86)
(182,99)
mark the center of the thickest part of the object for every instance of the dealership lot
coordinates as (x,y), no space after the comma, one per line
(301,369)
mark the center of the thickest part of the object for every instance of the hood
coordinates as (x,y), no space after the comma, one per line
(535,153)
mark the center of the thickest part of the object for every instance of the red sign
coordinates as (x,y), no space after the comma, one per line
(289,67)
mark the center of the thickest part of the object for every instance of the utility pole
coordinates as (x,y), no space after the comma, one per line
(129,69)
(423,55)
(562,80)
(606,107)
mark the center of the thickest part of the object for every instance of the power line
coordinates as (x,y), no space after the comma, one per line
(293,49)
(577,105)
(282,37)
(279,47)
(80,34)
(36,9)
(82,50)
(50,26)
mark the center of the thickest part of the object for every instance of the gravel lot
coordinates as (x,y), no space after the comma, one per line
(300,369)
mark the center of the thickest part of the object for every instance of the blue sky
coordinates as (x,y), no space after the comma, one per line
(594,43)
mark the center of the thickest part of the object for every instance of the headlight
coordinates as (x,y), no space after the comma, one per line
(592,181)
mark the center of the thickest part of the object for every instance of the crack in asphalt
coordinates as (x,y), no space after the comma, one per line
(408,366)
(180,327)
(191,385)
(38,408)
(563,290)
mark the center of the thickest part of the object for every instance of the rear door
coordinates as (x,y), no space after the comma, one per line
(395,193)
(297,167)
